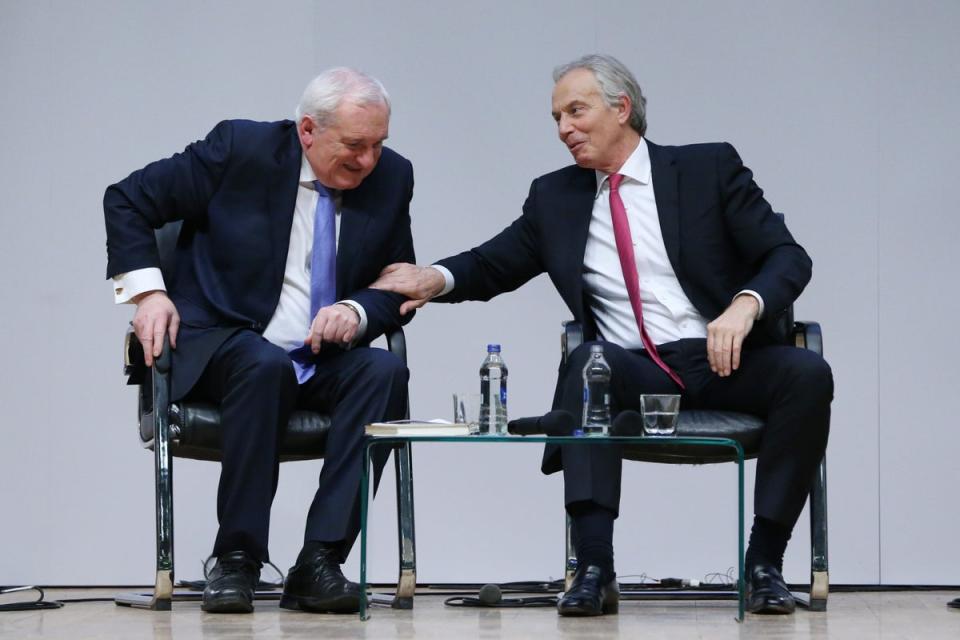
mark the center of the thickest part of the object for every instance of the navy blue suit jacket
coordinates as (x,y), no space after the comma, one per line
(720,233)
(235,192)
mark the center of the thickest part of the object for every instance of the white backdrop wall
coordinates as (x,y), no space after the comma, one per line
(845,111)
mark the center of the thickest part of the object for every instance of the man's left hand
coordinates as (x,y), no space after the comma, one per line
(337,323)
(726,334)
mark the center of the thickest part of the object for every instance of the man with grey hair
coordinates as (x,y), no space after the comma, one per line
(284,224)
(671,258)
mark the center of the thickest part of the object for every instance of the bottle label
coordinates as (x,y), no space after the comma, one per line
(503,395)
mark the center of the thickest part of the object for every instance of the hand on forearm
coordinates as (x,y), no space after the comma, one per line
(155,317)
(726,334)
(420,284)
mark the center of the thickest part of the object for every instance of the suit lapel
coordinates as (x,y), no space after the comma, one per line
(666,191)
(354,218)
(282,200)
(578,202)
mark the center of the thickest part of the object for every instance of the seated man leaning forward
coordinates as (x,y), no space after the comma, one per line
(284,225)
(673,259)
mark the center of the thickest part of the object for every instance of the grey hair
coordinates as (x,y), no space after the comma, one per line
(329,89)
(615,80)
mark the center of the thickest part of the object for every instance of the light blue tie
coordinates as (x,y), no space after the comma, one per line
(323,272)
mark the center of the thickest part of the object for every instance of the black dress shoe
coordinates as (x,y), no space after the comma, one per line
(317,584)
(231,584)
(589,596)
(766,590)
(955,603)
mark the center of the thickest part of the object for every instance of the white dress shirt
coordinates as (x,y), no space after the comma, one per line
(668,314)
(291,319)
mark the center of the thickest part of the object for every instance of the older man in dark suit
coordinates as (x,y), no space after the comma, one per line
(673,259)
(284,226)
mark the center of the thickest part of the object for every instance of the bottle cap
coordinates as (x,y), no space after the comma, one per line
(493,348)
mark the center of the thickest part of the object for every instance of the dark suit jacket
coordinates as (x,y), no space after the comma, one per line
(721,236)
(235,192)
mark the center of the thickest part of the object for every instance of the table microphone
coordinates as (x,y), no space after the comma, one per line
(490,595)
(627,423)
(554,423)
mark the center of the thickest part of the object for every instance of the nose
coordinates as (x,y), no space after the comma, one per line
(367,158)
(564,128)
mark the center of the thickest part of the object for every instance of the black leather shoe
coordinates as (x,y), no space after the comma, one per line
(317,584)
(231,584)
(588,596)
(955,603)
(767,592)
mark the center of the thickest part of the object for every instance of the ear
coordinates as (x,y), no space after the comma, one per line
(624,109)
(306,129)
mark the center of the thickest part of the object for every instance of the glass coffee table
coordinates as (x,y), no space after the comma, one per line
(407,580)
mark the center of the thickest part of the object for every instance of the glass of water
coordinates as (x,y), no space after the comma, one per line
(466,410)
(660,412)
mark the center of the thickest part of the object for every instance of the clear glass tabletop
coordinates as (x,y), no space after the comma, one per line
(652,442)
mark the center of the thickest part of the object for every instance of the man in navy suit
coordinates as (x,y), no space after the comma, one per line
(673,260)
(284,226)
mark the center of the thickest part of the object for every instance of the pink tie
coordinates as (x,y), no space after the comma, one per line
(628,262)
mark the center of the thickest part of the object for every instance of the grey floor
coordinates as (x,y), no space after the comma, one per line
(890,615)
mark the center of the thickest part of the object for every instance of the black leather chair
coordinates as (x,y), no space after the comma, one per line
(745,429)
(191,430)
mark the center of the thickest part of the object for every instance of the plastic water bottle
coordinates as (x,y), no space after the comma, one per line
(493,393)
(596,393)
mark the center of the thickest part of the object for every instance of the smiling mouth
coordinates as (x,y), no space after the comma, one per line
(573,147)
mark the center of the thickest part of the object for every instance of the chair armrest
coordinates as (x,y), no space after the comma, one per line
(133,366)
(571,338)
(397,344)
(807,335)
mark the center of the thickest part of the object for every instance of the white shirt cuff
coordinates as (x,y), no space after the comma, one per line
(447,279)
(127,286)
(756,296)
(356,306)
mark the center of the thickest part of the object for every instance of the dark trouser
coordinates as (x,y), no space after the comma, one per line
(790,388)
(255,385)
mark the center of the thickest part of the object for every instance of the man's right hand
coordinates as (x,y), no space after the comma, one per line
(420,284)
(156,316)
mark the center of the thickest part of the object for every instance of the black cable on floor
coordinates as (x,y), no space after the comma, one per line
(32,605)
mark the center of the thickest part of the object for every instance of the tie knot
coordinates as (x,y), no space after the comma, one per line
(322,191)
(615,180)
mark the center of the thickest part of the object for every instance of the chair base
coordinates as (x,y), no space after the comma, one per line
(819,590)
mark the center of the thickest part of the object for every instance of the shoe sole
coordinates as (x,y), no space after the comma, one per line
(608,608)
(227,606)
(771,609)
(340,604)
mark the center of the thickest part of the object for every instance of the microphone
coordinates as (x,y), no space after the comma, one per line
(627,423)
(554,423)
(490,595)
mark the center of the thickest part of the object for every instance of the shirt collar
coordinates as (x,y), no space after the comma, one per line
(637,167)
(307,176)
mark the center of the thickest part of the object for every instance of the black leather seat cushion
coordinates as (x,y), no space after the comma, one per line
(744,428)
(195,433)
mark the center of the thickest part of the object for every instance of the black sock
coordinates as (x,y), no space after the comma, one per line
(593,532)
(768,541)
